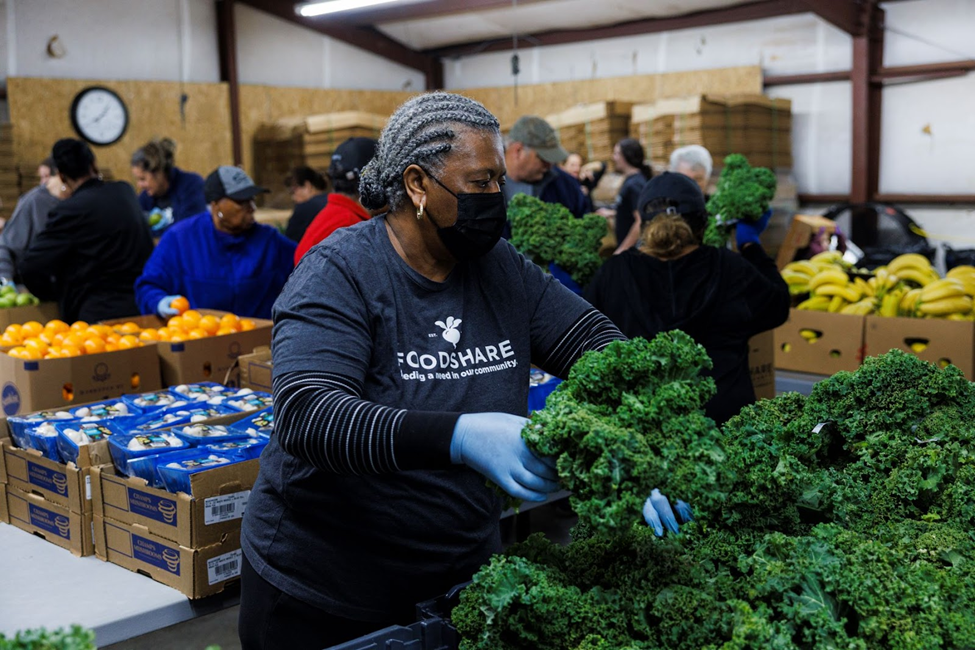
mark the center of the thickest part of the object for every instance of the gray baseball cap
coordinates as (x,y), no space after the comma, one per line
(532,131)
(230,182)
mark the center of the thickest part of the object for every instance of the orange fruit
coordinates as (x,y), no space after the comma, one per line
(76,339)
(128,327)
(31,328)
(163,333)
(229,320)
(180,304)
(56,326)
(17,352)
(114,338)
(177,338)
(209,324)
(53,353)
(128,342)
(247,324)
(148,335)
(111,347)
(94,346)
(14,328)
(10,338)
(46,336)
(197,334)
(58,338)
(70,350)
(190,318)
(31,353)
(175,322)
(225,330)
(36,345)
(78,326)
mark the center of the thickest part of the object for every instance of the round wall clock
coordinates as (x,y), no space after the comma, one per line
(99,115)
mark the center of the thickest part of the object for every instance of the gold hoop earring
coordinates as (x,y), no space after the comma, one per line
(419,212)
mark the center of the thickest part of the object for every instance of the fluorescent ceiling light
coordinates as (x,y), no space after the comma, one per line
(309,9)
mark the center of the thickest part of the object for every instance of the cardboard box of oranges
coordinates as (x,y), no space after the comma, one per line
(51,365)
(197,345)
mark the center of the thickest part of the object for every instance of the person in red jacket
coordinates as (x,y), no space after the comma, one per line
(343,207)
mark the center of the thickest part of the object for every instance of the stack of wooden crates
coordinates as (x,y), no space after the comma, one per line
(592,130)
(285,144)
(9,178)
(756,126)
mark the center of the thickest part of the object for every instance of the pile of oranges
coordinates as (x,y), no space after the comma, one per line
(57,339)
(190,325)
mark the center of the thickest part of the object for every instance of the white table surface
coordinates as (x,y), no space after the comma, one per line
(43,585)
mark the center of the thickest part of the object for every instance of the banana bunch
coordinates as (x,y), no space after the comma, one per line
(882,282)
(798,274)
(913,268)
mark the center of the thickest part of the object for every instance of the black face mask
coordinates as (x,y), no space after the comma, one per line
(480,222)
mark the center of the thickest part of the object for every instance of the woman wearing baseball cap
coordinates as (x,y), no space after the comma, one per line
(220,258)
(672,281)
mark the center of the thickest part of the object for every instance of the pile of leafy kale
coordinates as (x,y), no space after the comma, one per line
(548,232)
(743,193)
(841,520)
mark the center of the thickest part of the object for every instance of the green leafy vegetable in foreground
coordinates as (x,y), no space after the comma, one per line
(743,193)
(841,520)
(75,638)
(548,232)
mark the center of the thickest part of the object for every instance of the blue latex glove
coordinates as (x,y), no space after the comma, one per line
(5,282)
(658,513)
(491,444)
(747,232)
(164,309)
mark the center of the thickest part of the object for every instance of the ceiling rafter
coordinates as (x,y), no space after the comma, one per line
(422,10)
(847,15)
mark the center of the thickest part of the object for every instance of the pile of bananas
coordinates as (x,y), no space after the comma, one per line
(909,287)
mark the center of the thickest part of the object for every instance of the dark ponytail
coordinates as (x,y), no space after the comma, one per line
(634,155)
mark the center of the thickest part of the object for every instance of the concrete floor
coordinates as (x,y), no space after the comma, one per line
(220,629)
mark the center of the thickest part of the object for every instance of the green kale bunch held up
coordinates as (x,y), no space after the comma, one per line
(743,193)
(547,232)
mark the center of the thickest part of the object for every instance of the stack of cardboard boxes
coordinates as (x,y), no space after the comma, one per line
(9,177)
(592,130)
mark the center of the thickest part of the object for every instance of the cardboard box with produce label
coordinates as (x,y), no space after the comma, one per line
(196,573)
(819,342)
(761,364)
(941,342)
(65,485)
(213,511)
(41,313)
(801,231)
(34,385)
(50,521)
(204,359)
(256,370)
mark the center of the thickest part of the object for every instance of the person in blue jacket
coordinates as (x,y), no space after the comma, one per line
(168,194)
(221,258)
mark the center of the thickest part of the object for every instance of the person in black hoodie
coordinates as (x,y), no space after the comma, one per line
(94,245)
(719,297)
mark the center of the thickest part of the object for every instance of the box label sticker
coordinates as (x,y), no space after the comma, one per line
(156,554)
(48,479)
(225,508)
(149,505)
(10,398)
(88,487)
(223,567)
(52,522)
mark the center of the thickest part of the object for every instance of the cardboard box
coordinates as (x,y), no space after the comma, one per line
(801,231)
(839,345)
(65,485)
(207,359)
(4,514)
(255,370)
(761,364)
(195,573)
(56,524)
(54,383)
(213,512)
(939,341)
(41,313)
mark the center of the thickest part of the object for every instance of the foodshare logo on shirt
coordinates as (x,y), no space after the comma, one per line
(459,362)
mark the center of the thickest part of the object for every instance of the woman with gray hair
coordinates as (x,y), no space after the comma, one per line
(402,348)
(693,161)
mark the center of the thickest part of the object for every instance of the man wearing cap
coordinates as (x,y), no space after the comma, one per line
(343,208)
(719,297)
(531,151)
(221,258)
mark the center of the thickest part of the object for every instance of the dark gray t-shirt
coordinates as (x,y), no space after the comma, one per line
(358,546)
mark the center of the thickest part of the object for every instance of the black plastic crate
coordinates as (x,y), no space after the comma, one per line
(428,634)
(441,606)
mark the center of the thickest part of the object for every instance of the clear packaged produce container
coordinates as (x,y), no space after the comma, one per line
(205,434)
(259,424)
(74,434)
(243,449)
(199,392)
(125,447)
(20,425)
(175,473)
(154,401)
(104,410)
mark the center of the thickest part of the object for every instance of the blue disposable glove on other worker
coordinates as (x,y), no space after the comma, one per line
(659,515)
(747,232)
(165,309)
(491,443)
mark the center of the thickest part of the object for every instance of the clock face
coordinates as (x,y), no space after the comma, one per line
(99,115)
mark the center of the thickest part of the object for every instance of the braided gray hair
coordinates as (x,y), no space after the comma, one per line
(418,133)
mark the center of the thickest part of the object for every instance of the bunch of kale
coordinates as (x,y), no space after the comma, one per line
(743,193)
